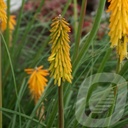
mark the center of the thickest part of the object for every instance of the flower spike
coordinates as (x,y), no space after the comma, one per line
(60,62)
(119,26)
(37,81)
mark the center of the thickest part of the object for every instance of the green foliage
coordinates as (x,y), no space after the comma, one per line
(30,48)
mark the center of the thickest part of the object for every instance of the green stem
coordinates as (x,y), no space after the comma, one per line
(66,7)
(75,18)
(16,31)
(118,66)
(115,94)
(61,108)
(10,61)
(8,19)
(28,28)
(83,51)
(105,59)
(79,32)
(123,70)
(23,115)
(0,87)
(13,75)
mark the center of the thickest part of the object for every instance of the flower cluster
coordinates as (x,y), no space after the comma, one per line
(37,81)
(3,20)
(119,26)
(3,15)
(60,63)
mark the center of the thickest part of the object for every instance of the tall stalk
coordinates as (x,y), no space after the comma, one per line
(118,68)
(0,84)
(61,106)
(79,32)
(83,51)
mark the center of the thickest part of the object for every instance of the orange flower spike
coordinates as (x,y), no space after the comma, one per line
(12,23)
(37,81)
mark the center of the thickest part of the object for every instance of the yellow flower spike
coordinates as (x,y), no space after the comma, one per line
(60,63)
(3,15)
(119,26)
(37,81)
